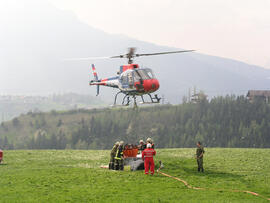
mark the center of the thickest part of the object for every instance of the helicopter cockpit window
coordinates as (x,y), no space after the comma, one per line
(143,74)
(150,74)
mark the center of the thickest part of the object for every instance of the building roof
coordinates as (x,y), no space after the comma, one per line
(252,93)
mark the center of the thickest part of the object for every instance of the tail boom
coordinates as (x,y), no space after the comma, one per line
(110,82)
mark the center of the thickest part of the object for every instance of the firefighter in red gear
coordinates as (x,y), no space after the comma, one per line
(147,156)
(149,140)
(1,156)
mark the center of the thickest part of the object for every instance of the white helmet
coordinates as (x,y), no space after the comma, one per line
(141,141)
(121,143)
(117,143)
(149,145)
(149,139)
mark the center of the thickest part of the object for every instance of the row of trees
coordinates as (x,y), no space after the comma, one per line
(222,122)
(4,144)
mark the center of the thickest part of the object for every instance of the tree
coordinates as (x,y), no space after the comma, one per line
(15,122)
(5,145)
(59,123)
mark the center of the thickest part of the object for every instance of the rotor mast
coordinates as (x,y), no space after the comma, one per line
(131,54)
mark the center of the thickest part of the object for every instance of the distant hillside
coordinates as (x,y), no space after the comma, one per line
(36,37)
(13,106)
(222,122)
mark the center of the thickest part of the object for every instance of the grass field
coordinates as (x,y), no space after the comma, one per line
(76,176)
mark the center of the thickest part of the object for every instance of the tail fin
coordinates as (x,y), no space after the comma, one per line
(96,77)
(94,72)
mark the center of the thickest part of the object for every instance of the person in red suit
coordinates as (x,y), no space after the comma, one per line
(1,156)
(147,156)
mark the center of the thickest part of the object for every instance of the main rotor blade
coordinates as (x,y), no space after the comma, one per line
(160,53)
(120,56)
(129,55)
(88,58)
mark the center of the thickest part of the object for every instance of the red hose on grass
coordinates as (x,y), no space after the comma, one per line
(198,188)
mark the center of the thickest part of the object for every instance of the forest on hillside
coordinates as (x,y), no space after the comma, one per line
(12,106)
(221,122)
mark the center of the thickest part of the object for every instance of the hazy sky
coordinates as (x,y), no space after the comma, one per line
(238,29)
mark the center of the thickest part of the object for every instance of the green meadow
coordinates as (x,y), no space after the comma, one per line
(76,176)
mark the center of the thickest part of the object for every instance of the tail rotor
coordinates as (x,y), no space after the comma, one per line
(95,77)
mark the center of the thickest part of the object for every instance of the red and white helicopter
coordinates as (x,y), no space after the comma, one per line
(132,81)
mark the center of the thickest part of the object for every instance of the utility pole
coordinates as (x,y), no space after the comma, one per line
(189,95)
(162,99)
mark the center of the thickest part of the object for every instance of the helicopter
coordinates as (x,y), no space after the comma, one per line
(131,80)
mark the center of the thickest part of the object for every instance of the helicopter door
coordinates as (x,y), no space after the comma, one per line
(130,80)
(124,81)
(127,80)
(138,80)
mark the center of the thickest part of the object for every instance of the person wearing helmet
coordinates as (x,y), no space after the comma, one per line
(147,156)
(113,153)
(149,140)
(119,157)
(141,146)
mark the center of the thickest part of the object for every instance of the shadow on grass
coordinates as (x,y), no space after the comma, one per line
(189,169)
(209,172)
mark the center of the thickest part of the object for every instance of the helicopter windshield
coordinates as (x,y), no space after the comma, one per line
(143,74)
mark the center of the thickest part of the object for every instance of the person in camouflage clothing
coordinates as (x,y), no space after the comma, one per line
(199,156)
(113,153)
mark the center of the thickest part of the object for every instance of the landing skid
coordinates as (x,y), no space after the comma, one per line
(127,99)
(154,100)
